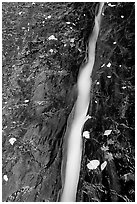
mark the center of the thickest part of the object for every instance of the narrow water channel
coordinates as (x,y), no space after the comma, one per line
(72,150)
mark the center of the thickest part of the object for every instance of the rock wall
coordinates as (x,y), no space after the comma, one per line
(44,45)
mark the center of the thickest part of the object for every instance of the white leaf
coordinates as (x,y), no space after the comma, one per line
(26,101)
(102,65)
(12,140)
(93,164)
(109,64)
(107,132)
(103,165)
(49,16)
(52,37)
(86,134)
(5,177)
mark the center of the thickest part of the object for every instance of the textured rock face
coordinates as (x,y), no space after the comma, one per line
(44,45)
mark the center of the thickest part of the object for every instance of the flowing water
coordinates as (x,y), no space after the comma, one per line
(72,149)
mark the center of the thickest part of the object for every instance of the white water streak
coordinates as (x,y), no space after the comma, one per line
(73,143)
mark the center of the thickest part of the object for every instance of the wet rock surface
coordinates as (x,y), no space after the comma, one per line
(44,45)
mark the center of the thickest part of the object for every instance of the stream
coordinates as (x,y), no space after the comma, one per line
(72,150)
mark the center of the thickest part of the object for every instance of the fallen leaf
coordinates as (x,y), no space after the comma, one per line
(103,165)
(86,134)
(5,177)
(12,140)
(52,37)
(109,64)
(107,132)
(26,101)
(93,164)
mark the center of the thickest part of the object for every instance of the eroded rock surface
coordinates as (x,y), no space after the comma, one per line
(44,44)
